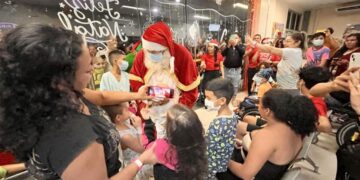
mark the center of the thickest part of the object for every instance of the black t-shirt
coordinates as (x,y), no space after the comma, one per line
(233,56)
(57,148)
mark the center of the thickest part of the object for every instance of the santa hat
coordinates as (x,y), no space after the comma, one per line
(158,37)
(214,42)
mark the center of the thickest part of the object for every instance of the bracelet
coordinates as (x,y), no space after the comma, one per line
(139,164)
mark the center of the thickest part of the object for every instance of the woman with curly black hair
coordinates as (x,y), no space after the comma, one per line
(182,154)
(289,120)
(47,117)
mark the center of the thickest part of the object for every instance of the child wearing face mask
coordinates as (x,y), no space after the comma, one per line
(116,79)
(318,54)
(221,132)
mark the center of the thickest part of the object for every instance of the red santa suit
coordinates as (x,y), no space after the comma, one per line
(181,66)
(164,63)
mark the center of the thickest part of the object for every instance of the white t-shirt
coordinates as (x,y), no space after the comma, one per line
(288,69)
(110,83)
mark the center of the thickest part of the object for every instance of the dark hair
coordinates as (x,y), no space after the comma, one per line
(221,88)
(279,43)
(343,49)
(313,75)
(37,73)
(113,110)
(216,50)
(186,134)
(318,34)
(115,54)
(331,30)
(258,35)
(299,37)
(267,65)
(298,112)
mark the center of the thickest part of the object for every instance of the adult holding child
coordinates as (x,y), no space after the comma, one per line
(291,60)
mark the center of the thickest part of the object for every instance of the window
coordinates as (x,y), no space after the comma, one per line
(293,20)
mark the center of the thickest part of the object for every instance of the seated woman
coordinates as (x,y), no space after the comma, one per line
(274,147)
(182,153)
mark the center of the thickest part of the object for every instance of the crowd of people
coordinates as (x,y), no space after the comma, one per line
(69,111)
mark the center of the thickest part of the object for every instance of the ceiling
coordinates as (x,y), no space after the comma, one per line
(311,4)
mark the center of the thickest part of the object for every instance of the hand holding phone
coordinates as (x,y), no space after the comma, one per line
(354,60)
(160,92)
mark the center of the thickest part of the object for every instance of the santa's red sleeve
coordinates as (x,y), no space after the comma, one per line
(136,77)
(188,79)
(137,72)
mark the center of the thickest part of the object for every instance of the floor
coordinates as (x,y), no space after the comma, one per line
(322,153)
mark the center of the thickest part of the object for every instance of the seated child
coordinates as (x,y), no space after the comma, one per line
(182,153)
(221,132)
(129,127)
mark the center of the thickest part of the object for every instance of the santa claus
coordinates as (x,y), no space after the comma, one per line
(164,63)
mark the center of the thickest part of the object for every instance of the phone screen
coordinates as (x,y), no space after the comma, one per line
(354,60)
(160,92)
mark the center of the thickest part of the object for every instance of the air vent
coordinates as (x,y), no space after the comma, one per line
(346,9)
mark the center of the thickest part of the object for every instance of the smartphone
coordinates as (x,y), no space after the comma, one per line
(157,91)
(354,60)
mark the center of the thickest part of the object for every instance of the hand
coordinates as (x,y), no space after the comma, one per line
(341,82)
(237,143)
(342,62)
(136,121)
(142,93)
(149,156)
(248,40)
(354,86)
(159,101)
(145,113)
(202,65)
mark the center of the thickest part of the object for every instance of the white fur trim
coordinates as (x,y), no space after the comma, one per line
(151,46)
(172,64)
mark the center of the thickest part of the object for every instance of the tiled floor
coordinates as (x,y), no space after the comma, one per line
(322,153)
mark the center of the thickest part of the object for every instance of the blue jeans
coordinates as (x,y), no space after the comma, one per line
(234,74)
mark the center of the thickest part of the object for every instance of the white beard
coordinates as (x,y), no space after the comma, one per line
(164,64)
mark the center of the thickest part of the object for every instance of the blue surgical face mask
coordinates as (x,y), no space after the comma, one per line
(156,57)
(124,65)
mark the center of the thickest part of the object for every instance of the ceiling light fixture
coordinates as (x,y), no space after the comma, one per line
(177,1)
(155,10)
(240,5)
(201,17)
(134,8)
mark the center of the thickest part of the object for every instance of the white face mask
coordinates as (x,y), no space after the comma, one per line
(210,106)
(124,65)
(318,42)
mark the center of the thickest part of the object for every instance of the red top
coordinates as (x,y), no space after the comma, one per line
(275,58)
(251,55)
(342,68)
(320,105)
(6,158)
(210,61)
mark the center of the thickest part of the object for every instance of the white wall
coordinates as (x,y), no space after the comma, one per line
(327,17)
(273,11)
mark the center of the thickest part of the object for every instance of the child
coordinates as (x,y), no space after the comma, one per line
(182,154)
(99,69)
(318,54)
(256,82)
(222,129)
(263,80)
(129,136)
(309,77)
(116,79)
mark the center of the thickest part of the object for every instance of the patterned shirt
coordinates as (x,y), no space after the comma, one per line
(220,143)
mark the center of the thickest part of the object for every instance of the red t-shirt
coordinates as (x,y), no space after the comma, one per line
(253,64)
(320,105)
(210,61)
(275,58)
(6,158)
